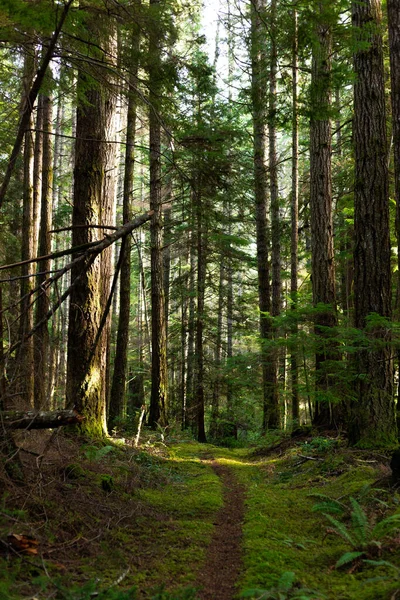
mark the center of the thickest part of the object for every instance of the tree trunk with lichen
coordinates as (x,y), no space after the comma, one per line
(372,420)
(393,9)
(86,364)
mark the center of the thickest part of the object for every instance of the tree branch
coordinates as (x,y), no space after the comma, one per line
(30,101)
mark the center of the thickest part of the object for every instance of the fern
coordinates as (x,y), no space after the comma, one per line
(341,530)
(328,505)
(286,581)
(348,558)
(285,589)
(360,524)
(387,526)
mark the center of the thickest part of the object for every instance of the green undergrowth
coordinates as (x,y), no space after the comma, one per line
(112,522)
(119,523)
(286,539)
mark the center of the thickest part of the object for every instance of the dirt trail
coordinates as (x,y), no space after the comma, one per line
(223,561)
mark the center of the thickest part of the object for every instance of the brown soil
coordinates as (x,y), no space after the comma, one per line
(218,577)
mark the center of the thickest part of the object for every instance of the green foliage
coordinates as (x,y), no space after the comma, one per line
(186,594)
(91,590)
(319,445)
(364,538)
(93,453)
(328,505)
(285,589)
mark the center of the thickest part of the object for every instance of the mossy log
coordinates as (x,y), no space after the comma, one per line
(39,419)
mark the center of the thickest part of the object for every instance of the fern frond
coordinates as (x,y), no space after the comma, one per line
(360,523)
(331,507)
(348,558)
(286,581)
(388,525)
(341,530)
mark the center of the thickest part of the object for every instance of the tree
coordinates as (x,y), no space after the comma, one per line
(159,377)
(87,351)
(372,410)
(259,117)
(322,253)
(117,394)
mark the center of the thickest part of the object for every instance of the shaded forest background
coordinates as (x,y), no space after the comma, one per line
(256,286)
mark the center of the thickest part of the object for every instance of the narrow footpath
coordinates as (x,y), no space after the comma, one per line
(220,573)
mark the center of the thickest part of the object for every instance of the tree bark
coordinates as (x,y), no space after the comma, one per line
(159,379)
(294,213)
(117,396)
(41,339)
(393,8)
(322,253)
(34,419)
(25,354)
(274,417)
(259,80)
(372,420)
(201,285)
(86,370)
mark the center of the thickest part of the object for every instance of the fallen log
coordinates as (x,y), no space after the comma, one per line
(39,419)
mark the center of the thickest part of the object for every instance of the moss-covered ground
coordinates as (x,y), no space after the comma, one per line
(127,523)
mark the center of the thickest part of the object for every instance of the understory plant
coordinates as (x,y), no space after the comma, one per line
(364,538)
(287,588)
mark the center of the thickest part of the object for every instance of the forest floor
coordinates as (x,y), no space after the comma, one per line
(177,520)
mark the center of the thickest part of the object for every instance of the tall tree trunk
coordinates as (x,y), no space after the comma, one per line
(393,8)
(201,285)
(274,417)
(86,366)
(259,80)
(41,341)
(372,420)
(183,334)
(229,320)
(190,379)
(117,396)
(56,325)
(294,212)
(25,353)
(218,354)
(159,377)
(322,253)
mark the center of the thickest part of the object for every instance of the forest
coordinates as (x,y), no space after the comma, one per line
(199,299)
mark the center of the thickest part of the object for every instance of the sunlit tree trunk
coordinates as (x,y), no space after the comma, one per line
(117,395)
(190,379)
(294,212)
(41,341)
(25,354)
(86,367)
(218,354)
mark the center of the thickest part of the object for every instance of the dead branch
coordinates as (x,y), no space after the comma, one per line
(33,419)
(91,254)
